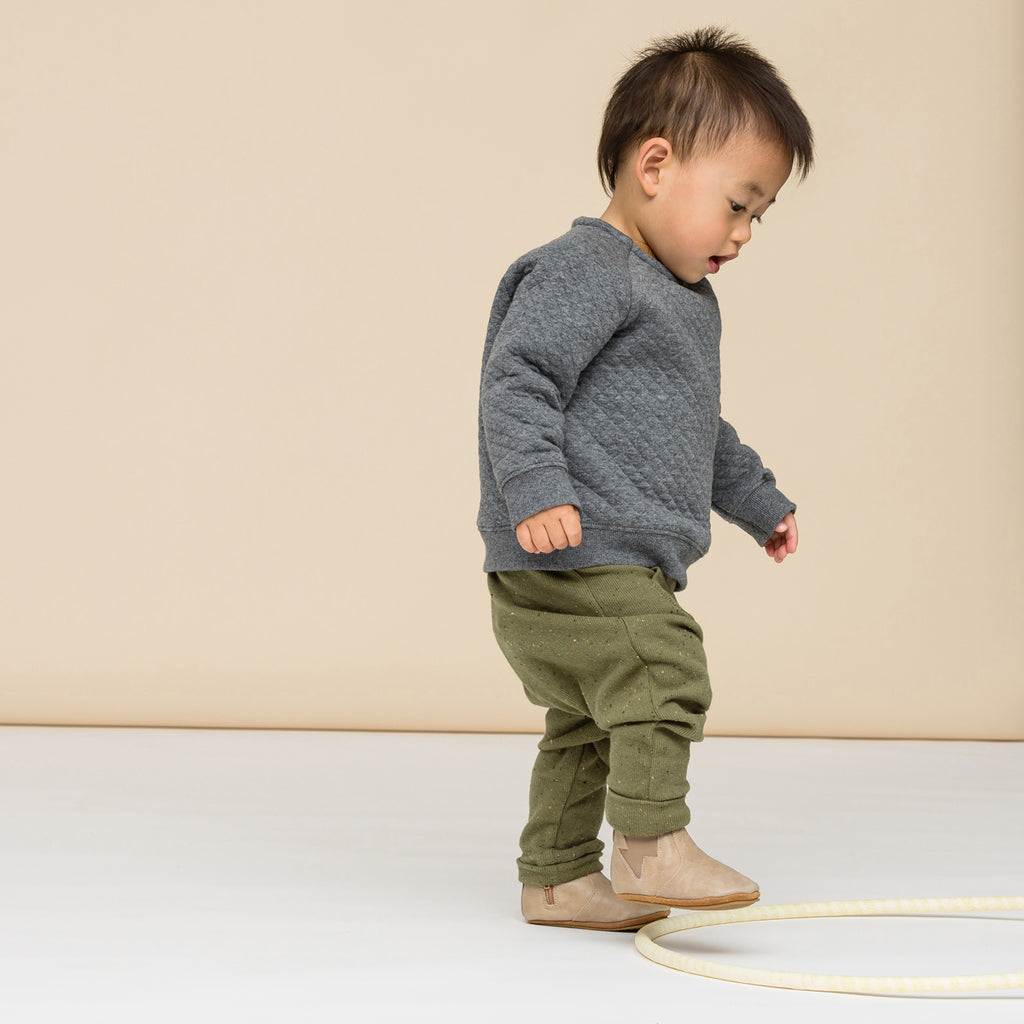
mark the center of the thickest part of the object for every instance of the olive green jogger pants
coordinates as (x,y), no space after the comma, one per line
(620,666)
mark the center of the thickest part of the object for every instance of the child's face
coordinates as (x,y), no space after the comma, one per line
(701,212)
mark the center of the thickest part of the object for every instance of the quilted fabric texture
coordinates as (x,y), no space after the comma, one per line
(600,389)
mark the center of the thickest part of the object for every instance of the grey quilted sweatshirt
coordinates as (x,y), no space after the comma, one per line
(600,389)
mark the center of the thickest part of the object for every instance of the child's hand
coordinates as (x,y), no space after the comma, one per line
(557,527)
(784,540)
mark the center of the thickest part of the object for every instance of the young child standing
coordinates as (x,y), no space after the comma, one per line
(602,453)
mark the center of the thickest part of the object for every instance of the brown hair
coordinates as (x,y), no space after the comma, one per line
(698,90)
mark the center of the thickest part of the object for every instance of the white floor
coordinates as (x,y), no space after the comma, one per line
(185,875)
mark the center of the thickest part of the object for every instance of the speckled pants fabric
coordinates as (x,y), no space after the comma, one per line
(621,669)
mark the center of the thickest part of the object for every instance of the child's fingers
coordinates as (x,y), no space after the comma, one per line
(556,535)
(573,529)
(541,538)
(546,532)
(525,539)
(792,537)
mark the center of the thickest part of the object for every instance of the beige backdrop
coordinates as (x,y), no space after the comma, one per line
(249,253)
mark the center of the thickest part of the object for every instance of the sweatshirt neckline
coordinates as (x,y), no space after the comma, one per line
(603,225)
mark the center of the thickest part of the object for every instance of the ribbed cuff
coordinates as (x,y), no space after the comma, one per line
(645,817)
(537,489)
(562,865)
(762,511)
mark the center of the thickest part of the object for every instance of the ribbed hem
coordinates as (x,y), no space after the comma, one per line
(601,546)
(645,817)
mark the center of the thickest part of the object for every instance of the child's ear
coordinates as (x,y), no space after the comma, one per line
(651,160)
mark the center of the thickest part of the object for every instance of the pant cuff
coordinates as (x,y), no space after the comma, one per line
(645,817)
(561,871)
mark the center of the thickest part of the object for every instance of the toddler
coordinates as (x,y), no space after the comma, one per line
(602,453)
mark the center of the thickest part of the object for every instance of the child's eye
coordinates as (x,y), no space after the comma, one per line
(739,208)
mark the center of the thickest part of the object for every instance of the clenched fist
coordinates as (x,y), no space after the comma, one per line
(553,529)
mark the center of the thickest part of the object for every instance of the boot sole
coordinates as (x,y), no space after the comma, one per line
(631,925)
(733,902)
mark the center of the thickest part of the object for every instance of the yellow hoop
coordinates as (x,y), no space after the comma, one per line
(647,938)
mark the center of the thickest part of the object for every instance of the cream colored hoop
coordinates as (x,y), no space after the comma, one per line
(647,938)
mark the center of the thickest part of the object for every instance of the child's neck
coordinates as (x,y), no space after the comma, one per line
(618,215)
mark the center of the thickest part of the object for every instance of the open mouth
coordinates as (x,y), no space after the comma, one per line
(715,262)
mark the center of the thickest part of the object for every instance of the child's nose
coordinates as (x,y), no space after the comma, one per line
(742,233)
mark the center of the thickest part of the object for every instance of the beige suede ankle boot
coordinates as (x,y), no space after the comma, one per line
(673,871)
(586,902)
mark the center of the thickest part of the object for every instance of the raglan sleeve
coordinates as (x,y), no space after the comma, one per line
(744,491)
(556,323)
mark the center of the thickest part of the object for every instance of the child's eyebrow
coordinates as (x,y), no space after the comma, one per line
(755,189)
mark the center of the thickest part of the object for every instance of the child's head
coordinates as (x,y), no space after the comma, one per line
(699,136)
(699,91)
